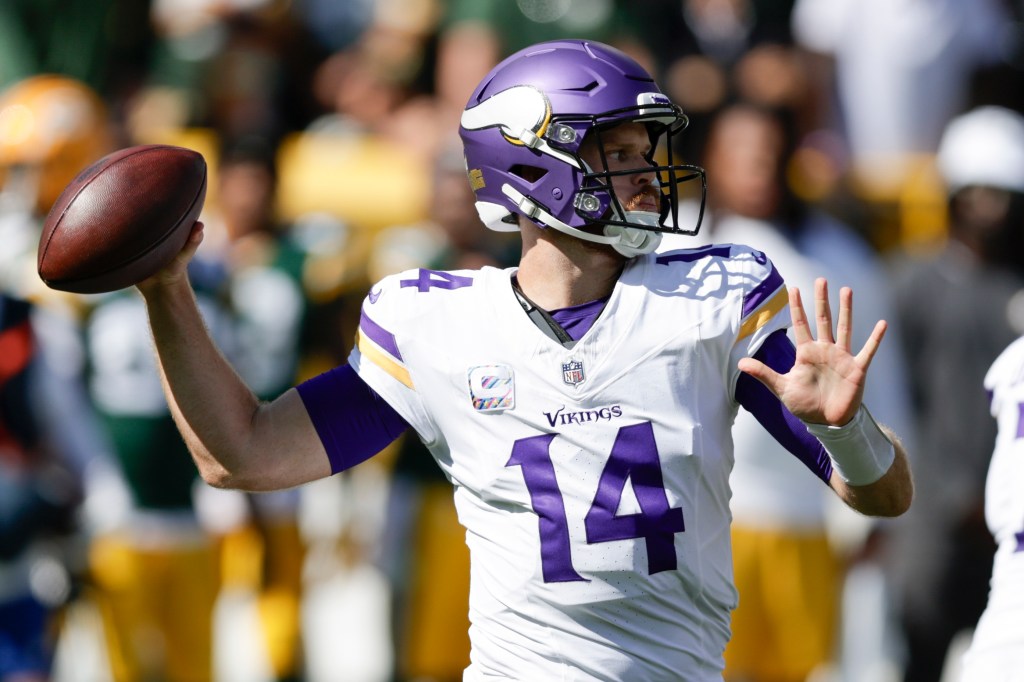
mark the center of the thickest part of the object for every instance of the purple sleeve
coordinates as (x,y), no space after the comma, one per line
(778,352)
(353,421)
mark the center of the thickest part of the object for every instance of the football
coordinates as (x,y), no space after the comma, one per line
(122,219)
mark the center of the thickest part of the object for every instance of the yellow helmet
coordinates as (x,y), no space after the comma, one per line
(55,126)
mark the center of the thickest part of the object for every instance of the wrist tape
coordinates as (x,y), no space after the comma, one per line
(860,451)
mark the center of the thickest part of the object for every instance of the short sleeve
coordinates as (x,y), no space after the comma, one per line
(386,322)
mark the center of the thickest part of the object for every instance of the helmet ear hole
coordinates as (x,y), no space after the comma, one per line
(528,173)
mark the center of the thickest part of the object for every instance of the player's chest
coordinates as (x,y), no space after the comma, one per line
(510,368)
(572,422)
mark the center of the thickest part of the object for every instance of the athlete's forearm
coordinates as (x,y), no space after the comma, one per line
(891,489)
(890,495)
(235,440)
(212,406)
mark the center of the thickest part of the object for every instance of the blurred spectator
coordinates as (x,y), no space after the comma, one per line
(142,553)
(102,43)
(452,237)
(336,25)
(791,543)
(51,127)
(257,267)
(44,458)
(958,311)
(712,51)
(890,76)
(901,70)
(476,34)
(154,570)
(236,67)
(382,83)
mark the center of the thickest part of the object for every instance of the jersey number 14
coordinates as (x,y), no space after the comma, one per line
(634,457)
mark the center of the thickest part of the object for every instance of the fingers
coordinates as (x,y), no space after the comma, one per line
(867,353)
(801,331)
(823,321)
(844,325)
(195,237)
(176,268)
(762,372)
(822,314)
(822,310)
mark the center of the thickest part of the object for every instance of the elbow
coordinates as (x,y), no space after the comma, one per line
(893,494)
(900,491)
(250,479)
(896,503)
(225,479)
(905,500)
(889,497)
(887,501)
(217,475)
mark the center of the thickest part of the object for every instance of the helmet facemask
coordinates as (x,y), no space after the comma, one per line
(598,203)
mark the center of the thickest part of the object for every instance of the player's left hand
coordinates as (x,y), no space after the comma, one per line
(826,383)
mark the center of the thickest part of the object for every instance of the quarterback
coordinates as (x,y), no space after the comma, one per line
(580,403)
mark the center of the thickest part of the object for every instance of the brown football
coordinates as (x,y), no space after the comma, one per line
(122,219)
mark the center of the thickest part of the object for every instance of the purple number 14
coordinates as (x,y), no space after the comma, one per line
(634,457)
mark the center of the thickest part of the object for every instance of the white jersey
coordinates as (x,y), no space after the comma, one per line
(593,482)
(999,637)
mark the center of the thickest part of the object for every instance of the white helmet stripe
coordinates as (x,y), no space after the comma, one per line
(523,113)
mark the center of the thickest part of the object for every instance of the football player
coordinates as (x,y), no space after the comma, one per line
(997,647)
(580,403)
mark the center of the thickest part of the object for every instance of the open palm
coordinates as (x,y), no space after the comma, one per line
(826,382)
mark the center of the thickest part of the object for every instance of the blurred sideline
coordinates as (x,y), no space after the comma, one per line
(344,616)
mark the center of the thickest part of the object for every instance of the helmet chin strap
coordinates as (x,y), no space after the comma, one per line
(634,241)
(628,241)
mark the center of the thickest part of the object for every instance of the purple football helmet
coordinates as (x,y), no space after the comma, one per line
(522,131)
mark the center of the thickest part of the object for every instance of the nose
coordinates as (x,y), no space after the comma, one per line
(645,177)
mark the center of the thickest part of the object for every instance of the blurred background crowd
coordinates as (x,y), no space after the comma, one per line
(877,142)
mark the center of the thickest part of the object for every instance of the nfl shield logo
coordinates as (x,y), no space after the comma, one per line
(572,372)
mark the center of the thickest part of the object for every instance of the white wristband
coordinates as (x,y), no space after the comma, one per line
(860,451)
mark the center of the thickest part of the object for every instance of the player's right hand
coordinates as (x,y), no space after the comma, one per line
(175,271)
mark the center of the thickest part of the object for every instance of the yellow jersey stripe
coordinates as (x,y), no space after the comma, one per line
(762,315)
(383,360)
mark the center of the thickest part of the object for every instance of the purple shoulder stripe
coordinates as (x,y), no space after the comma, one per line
(380,336)
(762,292)
(778,352)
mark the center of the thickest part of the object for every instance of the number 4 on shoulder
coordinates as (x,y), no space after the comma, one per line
(436,279)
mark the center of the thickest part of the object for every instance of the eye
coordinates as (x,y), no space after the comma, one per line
(622,155)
